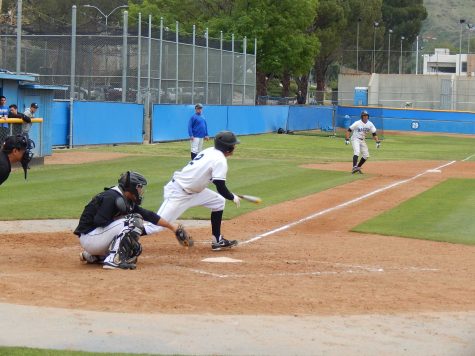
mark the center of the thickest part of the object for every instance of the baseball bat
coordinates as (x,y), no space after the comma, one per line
(250,198)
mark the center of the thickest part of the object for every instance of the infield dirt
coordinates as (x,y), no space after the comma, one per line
(315,268)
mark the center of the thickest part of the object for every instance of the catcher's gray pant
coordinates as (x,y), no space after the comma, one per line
(98,240)
(360,146)
(177,201)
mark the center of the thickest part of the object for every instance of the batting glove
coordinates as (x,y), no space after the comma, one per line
(378,144)
(347,142)
(237,200)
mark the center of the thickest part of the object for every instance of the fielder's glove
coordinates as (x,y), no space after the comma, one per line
(347,142)
(378,144)
(183,237)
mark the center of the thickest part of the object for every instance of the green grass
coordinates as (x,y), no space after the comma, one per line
(26,351)
(443,213)
(263,165)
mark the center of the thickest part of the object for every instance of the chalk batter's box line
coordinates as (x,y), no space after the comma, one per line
(351,269)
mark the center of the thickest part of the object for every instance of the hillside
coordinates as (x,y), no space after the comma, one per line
(442,26)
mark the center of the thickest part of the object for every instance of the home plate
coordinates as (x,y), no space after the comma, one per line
(434,171)
(221,260)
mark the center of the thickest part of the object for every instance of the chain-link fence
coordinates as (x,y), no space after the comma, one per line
(172,68)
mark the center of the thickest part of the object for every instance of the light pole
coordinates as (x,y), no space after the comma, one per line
(375,25)
(400,57)
(357,42)
(470,29)
(389,50)
(462,21)
(103,14)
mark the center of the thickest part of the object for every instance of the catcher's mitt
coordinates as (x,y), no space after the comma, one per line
(183,237)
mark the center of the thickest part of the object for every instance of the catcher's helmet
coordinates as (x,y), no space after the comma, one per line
(131,182)
(225,141)
(363,113)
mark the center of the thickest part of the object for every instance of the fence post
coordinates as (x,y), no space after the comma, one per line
(232,70)
(147,97)
(220,67)
(73,74)
(124,58)
(177,39)
(207,65)
(160,60)
(18,37)
(139,58)
(193,66)
(244,47)
(255,68)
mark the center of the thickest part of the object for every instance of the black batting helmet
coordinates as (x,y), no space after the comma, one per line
(225,141)
(130,182)
(363,113)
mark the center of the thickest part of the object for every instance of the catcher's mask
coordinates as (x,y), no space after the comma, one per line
(134,183)
(225,141)
(20,142)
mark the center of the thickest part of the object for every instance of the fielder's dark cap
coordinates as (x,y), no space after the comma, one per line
(198,106)
(34,105)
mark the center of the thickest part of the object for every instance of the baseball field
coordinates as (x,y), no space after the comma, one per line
(329,263)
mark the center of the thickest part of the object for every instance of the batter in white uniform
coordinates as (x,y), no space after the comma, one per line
(188,187)
(358,131)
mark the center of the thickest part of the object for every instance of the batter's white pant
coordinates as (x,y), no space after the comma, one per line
(177,201)
(197,144)
(360,146)
(98,240)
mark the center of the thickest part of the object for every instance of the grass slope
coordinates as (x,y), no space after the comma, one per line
(443,213)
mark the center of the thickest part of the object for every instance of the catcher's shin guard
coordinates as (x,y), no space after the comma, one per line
(123,251)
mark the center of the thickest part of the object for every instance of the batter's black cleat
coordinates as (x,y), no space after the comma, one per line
(355,169)
(360,171)
(223,244)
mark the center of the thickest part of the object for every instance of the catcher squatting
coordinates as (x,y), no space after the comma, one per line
(113,221)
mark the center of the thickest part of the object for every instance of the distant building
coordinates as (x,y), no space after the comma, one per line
(442,62)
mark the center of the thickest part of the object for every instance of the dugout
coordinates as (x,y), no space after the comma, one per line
(22,90)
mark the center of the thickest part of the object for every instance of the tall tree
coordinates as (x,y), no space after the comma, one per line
(283,45)
(54,16)
(404,18)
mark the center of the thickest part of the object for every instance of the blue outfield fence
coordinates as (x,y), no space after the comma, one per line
(170,122)
(436,121)
(96,123)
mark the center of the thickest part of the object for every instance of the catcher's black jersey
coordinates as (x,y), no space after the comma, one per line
(102,210)
(5,167)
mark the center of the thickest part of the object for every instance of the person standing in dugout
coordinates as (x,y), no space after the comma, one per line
(188,187)
(197,130)
(358,131)
(113,221)
(15,149)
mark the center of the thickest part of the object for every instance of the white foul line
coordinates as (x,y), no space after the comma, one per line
(466,159)
(343,205)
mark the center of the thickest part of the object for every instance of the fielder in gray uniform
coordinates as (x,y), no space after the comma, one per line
(358,131)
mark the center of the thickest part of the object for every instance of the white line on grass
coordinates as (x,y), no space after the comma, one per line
(340,206)
(466,159)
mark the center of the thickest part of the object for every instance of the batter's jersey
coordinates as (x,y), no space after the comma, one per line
(208,165)
(360,129)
